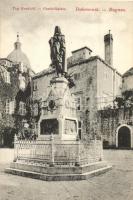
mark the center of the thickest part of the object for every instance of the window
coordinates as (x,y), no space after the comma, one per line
(78,102)
(7,106)
(22,108)
(35,109)
(87,101)
(77,76)
(22,83)
(79,129)
(21,67)
(7,76)
(12,107)
(34,85)
(89,81)
(28,101)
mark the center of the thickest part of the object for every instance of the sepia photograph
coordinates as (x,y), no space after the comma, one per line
(66,100)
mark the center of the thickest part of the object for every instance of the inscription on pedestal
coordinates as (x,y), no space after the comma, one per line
(70,127)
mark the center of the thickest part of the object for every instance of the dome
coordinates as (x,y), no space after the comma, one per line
(128,73)
(17,54)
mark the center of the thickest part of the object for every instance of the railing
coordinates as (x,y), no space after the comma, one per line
(53,152)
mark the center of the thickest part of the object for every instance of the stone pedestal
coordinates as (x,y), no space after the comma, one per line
(58,116)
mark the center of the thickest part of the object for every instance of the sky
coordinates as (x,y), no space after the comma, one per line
(35,24)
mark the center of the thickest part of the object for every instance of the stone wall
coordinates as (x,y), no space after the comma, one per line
(85,79)
(108,123)
(41,84)
(109,83)
(109,120)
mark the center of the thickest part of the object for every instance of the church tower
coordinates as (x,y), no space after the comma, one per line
(108,42)
(18,56)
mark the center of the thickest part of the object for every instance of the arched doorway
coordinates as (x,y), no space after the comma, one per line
(124,137)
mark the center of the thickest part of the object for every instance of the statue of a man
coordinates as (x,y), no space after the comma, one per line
(58,50)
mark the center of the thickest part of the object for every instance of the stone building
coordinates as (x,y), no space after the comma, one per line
(116,125)
(15,78)
(104,97)
(97,84)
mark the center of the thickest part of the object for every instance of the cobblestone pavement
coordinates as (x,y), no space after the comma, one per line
(116,184)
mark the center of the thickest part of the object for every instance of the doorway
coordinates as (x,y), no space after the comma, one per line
(124,137)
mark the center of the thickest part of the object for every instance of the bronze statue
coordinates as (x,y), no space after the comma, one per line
(58,51)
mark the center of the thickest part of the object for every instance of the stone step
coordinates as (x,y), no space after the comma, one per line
(58,177)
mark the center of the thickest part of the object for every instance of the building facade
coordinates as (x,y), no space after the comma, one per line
(15,93)
(116,125)
(96,85)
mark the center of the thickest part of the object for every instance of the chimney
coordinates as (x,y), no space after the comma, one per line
(108,42)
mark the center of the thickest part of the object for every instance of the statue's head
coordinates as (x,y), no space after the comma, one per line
(57,30)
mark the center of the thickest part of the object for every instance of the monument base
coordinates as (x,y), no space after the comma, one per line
(56,173)
(54,160)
